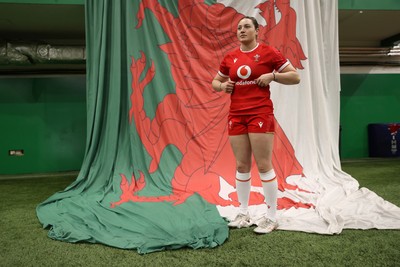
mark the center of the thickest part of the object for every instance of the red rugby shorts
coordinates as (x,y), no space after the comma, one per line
(256,123)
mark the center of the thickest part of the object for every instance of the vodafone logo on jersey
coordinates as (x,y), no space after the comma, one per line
(243,72)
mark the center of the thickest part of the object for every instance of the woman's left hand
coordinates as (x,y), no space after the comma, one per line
(265,79)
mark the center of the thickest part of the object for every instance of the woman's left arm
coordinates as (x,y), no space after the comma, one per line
(288,75)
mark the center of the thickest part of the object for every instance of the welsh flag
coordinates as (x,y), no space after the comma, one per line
(159,172)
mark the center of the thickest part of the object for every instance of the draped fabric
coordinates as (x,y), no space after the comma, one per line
(159,172)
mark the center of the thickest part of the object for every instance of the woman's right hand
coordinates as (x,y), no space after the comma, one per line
(228,86)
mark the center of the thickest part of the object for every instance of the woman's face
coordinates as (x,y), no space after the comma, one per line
(246,31)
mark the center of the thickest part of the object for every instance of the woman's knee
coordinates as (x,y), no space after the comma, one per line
(243,167)
(264,167)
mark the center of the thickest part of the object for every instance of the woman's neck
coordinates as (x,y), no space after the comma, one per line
(248,46)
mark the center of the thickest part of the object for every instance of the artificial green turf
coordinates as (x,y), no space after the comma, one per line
(379,175)
(25,243)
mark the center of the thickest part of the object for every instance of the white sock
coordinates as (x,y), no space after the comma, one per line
(270,187)
(243,184)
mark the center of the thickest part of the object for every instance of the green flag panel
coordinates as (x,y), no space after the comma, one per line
(133,189)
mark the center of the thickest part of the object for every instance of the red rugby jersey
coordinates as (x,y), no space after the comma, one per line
(243,67)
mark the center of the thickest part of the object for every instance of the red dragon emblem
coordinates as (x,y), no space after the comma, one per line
(194,119)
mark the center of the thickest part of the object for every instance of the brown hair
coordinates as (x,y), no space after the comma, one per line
(253,19)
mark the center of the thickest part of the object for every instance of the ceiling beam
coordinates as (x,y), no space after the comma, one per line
(369,4)
(391,41)
(46,2)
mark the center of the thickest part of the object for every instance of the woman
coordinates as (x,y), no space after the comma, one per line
(246,73)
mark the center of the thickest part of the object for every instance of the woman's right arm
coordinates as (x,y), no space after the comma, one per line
(217,83)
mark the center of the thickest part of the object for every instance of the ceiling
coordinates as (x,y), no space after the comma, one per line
(65,25)
(367,28)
